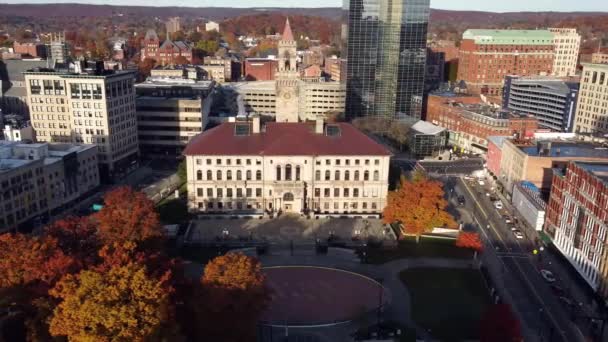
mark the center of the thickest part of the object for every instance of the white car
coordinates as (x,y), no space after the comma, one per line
(548,276)
(518,234)
(498,205)
(482,183)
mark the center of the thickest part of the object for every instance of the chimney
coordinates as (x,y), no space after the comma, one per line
(319,124)
(256,124)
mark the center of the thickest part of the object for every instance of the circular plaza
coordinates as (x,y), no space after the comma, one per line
(317,296)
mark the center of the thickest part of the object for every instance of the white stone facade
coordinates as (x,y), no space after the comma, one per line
(567,43)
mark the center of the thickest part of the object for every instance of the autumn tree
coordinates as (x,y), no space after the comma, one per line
(234,294)
(127,215)
(180,60)
(26,260)
(469,240)
(145,67)
(419,205)
(77,237)
(123,304)
(500,324)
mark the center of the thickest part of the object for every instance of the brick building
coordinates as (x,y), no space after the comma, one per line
(260,69)
(167,52)
(494,155)
(34,49)
(487,56)
(577,219)
(471,122)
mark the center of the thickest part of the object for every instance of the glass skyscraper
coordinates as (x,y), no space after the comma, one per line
(386,56)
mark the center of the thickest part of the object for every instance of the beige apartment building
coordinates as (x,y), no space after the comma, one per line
(87,107)
(599,58)
(567,45)
(38,180)
(592,108)
(242,168)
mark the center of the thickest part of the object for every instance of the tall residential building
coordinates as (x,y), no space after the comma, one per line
(386,56)
(592,109)
(173,25)
(577,219)
(58,49)
(551,100)
(331,169)
(487,56)
(90,106)
(38,180)
(567,44)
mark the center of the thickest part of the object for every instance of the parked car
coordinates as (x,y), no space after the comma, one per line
(498,205)
(482,183)
(513,228)
(518,234)
(461,200)
(507,219)
(557,290)
(548,276)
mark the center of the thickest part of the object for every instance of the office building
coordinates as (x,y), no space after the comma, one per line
(39,180)
(531,207)
(170,111)
(230,67)
(212,26)
(173,25)
(551,100)
(592,108)
(427,140)
(167,52)
(89,106)
(567,43)
(577,216)
(599,58)
(13,90)
(331,169)
(487,56)
(435,70)
(470,121)
(386,57)
(260,69)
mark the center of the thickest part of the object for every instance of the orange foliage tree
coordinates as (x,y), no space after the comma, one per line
(77,237)
(500,324)
(234,290)
(419,205)
(127,215)
(123,304)
(28,260)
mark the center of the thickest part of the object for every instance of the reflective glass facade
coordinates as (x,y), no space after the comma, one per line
(386,52)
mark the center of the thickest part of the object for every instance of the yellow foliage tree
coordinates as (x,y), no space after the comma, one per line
(123,304)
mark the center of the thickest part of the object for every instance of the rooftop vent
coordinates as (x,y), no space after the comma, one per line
(242,129)
(332,131)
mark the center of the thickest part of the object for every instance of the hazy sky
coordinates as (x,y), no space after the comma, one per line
(482,5)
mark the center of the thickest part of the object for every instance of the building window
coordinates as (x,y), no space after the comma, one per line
(376,176)
(258,175)
(229,192)
(248,174)
(199,175)
(347,175)
(209,192)
(248,192)
(326,192)
(288,172)
(228,161)
(297,173)
(374,205)
(278,173)
(248,161)
(229,174)
(239,174)
(327,175)
(366,175)
(199,192)
(317,192)
(288,197)
(355,192)
(337,175)
(356,175)
(337,161)
(258,192)
(208,161)
(239,192)
(220,193)
(317,175)
(218,162)
(219,175)
(327,162)
(209,175)
(238,162)
(336,192)
(346,192)
(199,162)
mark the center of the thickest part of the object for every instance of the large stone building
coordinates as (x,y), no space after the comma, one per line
(567,43)
(167,52)
(551,100)
(592,109)
(577,217)
(170,111)
(36,49)
(487,56)
(471,122)
(87,106)
(329,169)
(38,180)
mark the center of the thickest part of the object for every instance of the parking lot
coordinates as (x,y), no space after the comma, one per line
(288,228)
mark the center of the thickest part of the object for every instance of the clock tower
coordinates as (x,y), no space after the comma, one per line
(287,78)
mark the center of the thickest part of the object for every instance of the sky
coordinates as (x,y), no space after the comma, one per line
(481,5)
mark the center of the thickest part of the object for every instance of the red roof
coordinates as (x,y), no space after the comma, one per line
(287,34)
(285,139)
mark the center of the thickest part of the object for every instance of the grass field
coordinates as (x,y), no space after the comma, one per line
(426,248)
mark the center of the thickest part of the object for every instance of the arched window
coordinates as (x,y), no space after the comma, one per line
(346,175)
(318,175)
(278,173)
(288,172)
(288,197)
(366,176)
(376,176)
(327,175)
(356,175)
(297,173)
(199,175)
(239,175)
(337,175)
(219,175)
(209,175)
(229,175)
(248,174)
(258,175)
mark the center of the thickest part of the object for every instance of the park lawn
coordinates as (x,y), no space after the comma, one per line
(447,302)
(428,247)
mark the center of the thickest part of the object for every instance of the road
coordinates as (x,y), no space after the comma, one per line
(452,167)
(539,308)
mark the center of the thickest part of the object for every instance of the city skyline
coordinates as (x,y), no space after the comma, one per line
(474,5)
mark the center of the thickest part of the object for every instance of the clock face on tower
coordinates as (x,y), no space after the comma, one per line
(287,95)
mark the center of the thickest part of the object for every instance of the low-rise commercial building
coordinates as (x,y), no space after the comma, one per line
(551,100)
(35,49)
(38,180)
(260,69)
(16,128)
(529,204)
(494,155)
(427,140)
(329,169)
(577,217)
